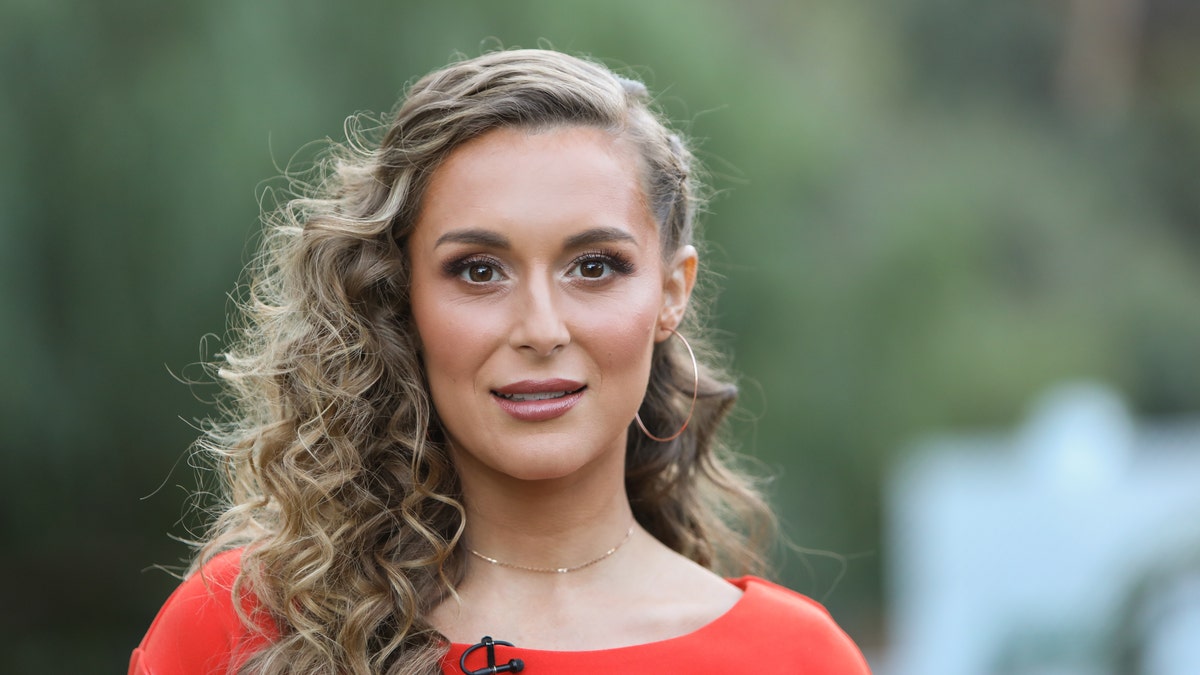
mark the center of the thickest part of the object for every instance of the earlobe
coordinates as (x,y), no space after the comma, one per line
(677,290)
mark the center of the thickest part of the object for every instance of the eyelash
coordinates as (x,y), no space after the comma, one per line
(455,268)
(617,263)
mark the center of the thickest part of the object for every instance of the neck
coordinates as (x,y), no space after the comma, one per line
(546,524)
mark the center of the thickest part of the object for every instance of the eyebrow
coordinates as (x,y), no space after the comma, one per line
(590,237)
(598,235)
(475,237)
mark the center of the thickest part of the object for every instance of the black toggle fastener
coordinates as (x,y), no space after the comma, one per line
(513,665)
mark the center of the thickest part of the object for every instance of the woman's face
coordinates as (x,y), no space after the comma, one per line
(539,290)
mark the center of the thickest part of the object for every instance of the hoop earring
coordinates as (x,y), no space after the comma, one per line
(695,393)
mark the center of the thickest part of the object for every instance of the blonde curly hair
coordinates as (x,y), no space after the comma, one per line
(339,486)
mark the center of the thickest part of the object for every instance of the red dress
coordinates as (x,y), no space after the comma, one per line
(769,630)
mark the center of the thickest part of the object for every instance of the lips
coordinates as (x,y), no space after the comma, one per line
(539,400)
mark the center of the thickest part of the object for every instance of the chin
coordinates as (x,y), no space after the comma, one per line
(541,468)
(551,458)
(568,454)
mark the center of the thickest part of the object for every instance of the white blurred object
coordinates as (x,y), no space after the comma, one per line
(1079,439)
(1172,628)
(1017,554)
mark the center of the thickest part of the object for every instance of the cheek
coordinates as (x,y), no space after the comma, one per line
(636,338)
(447,335)
(624,339)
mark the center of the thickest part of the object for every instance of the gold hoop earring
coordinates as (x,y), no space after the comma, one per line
(695,393)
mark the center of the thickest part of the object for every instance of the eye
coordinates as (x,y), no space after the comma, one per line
(599,266)
(479,273)
(475,269)
(593,269)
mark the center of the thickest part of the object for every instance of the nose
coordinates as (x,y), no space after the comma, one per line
(539,327)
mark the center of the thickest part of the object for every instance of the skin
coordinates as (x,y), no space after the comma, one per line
(535,257)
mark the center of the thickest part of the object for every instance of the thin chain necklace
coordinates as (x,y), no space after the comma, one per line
(555,570)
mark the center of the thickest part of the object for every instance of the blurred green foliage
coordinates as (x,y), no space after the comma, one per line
(919,223)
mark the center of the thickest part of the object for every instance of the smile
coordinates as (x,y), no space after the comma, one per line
(539,401)
(538,396)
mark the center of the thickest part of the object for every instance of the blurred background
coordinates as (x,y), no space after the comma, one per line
(928,214)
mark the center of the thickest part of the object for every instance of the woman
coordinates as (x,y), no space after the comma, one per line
(464,407)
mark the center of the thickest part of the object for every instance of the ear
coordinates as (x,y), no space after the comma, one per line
(678,281)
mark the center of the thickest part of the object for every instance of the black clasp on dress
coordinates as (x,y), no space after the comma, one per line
(513,665)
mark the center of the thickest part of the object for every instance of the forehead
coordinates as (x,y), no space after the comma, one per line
(556,178)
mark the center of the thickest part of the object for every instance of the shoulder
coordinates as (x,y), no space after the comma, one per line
(794,628)
(198,629)
(766,596)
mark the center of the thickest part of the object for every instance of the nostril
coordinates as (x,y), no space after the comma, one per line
(540,328)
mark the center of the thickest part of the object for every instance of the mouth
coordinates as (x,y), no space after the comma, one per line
(538,395)
(539,400)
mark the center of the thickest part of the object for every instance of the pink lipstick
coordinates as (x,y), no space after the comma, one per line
(538,400)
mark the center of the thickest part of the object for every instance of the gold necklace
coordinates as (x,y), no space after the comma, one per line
(554,570)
